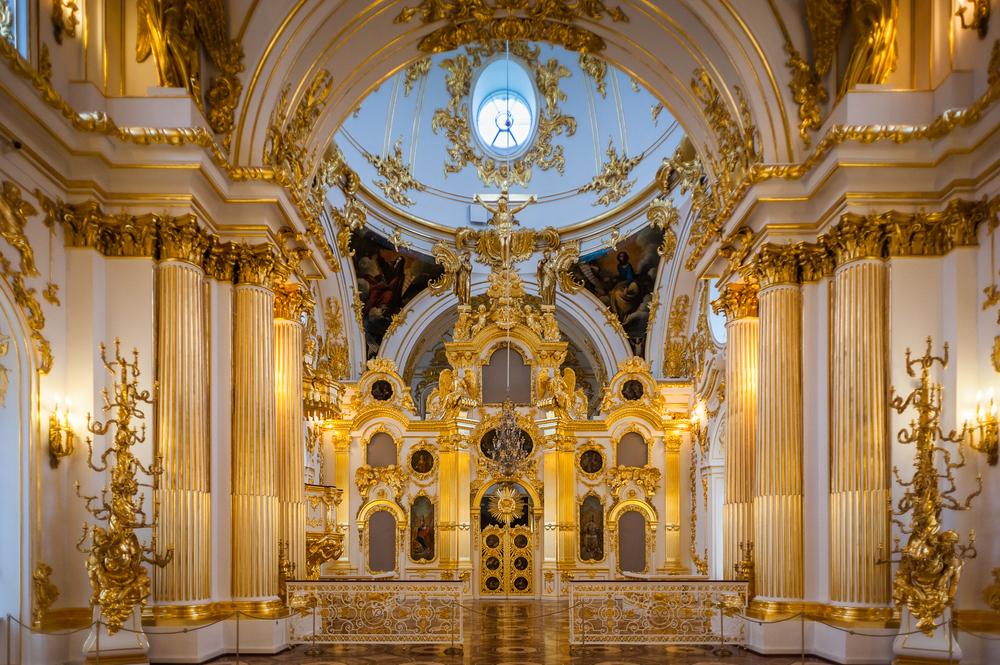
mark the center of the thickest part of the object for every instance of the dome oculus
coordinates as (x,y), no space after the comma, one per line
(504,109)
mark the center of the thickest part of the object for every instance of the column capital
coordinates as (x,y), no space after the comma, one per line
(737,301)
(183,239)
(291,301)
(777,264)
(257,265)
(856,237)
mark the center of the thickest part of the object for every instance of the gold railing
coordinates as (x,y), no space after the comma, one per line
(656,612)
(375,611)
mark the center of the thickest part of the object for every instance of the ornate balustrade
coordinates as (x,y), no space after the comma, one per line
(656,611)
(376,611)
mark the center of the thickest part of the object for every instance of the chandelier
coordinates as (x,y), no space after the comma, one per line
(508,452)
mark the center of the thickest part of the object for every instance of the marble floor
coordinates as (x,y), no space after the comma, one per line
(511,633)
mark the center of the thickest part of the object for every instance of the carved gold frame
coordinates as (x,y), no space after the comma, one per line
(591,478)
(632,427)
(402,524)
(437,535)
(423,478)
(381,428)
(648,514)
(579,527)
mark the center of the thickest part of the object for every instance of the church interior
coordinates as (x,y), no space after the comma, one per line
(499,331)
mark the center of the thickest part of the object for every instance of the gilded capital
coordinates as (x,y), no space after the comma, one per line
(935,233)
(255,264)
(856,237)
(220,260)
(777,264)
(183,239)
(737,301)
(816,261)
(291,301)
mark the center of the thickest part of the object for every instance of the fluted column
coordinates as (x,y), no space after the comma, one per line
(255,519)
(777,503)
(739,304)
(859,479)
(290,302)
(183,490)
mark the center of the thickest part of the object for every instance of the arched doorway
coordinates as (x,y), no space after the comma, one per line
(506,541)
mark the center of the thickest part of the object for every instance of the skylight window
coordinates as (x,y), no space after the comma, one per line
(504,108)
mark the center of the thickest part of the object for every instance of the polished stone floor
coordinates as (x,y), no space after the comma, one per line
(512,633)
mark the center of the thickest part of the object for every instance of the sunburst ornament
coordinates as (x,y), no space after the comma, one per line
(506,505)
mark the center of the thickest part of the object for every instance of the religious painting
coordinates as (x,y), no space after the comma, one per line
(624,279)
(422,544)
(591,529)
(591,461)
(388,279)
(421,461)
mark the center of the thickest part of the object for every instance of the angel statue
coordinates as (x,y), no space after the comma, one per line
(554,269)
(444,396)
(457,273)
(470,386)
(567,395)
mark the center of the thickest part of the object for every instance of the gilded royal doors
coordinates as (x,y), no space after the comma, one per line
(507,541)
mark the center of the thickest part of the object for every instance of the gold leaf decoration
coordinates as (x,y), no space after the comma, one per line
(454,118)
(396,178)
(415,72)
(174,33)
(597,69)
(553,21)
(613,180)
(6,21)
(808,92)
(505,505)
(676,356)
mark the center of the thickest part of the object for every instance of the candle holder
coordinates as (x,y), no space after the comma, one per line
(61,435)
(980,21)
(981,430)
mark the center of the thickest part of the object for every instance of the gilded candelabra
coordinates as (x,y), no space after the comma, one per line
(61,435)
(983,429)
(744,567)
(115,556)
(931,561)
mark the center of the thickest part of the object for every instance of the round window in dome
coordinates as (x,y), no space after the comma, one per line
(504,108)
(504,122)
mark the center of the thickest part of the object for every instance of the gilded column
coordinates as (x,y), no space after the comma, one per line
(183,490)
(859,464)
(256,525)
(672,504)
(778,498)
(290,302)
(739,304)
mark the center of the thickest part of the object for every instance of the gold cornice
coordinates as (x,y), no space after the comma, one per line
(737,301)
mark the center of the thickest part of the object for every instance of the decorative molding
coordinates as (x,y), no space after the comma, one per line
(613,180)
(524,20)
(396,178)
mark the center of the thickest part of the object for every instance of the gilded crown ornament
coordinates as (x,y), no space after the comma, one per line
(931,561)
(115,557)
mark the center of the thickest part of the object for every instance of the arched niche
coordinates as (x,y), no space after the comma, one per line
(381,523)
(381,450)
(632,450)
(630,542)
(507,375)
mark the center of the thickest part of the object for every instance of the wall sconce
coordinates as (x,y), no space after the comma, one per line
(983,432)
(61,435)
(64,20)
(980,16)
(699,426)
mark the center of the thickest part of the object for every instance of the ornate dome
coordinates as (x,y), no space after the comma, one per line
(573,130)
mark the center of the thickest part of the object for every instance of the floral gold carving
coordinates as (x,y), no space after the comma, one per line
(7,21)
(663,215)
(454,117)
(44,592)
(646,478)
(529,20)
(115,557)
(392,476)
(597,69)
(613,180)
(14,213)
(676,356)
(776,264)
(414,72)
(292,301)
(808,92)
(931,561)
(174,33)
(320,548)
(396,178)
